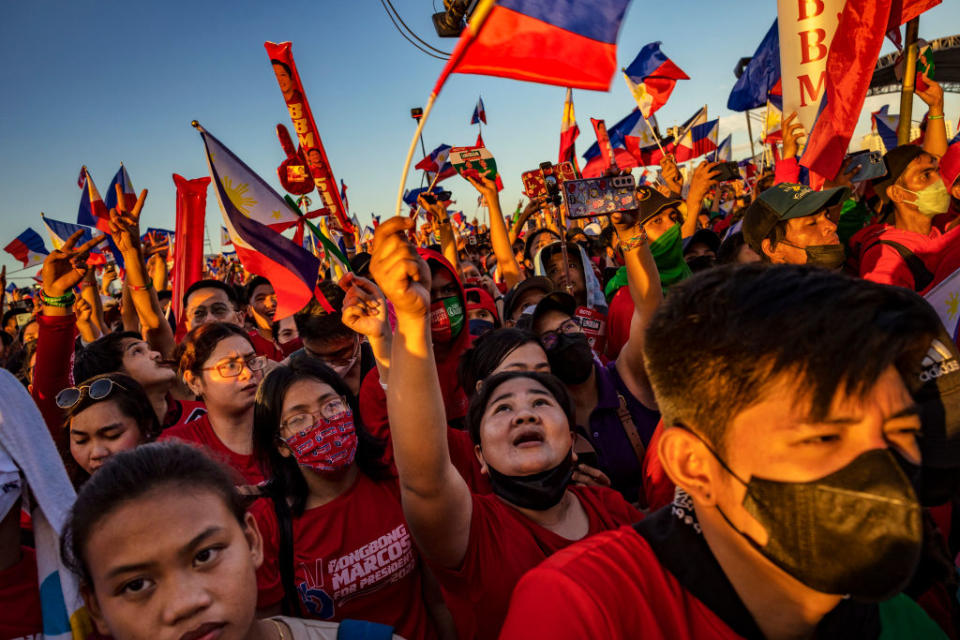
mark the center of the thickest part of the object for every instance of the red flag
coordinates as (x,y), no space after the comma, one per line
(850,65)
(903,11)
(603,139)
(188,246)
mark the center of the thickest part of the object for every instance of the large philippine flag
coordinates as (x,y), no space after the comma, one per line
(28,248)
(121,178)
(651,78)
(92,211)
(571,43)
(249,204)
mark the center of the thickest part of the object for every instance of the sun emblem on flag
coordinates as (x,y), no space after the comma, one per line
(952,303)
(238,195)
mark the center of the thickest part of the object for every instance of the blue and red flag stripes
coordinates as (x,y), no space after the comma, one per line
(92,212)
(129,195)
(59,232)
(570,43)
(631,125)
(28,248)
(761,75)
(886,126)
(702,140)
(479,113)
(437,162)
(652,78)
(343,196)
(290,268)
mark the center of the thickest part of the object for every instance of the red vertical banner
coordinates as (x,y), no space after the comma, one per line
(281,57)
(188,238)
(603,139)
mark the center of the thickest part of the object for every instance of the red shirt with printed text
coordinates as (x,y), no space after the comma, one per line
(353,558)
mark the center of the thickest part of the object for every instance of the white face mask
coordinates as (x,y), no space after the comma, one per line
(932,200)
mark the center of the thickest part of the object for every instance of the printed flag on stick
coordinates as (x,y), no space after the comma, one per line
(479,113)
(129,195)
(290,268)
(93,212)
(59,232)
(28,248)
(651,78)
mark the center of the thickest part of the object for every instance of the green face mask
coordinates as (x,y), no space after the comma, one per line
(667,252)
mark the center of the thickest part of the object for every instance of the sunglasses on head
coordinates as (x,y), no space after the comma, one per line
(96,390)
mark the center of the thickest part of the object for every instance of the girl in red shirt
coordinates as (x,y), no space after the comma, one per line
(520,422)
(336,542)
(219,364)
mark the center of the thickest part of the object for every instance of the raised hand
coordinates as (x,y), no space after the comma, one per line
(932,95)
(792,134)
(67,266)
(401,273)
(364,308)
(125,225)
(483,184)
(671,174)
(436,211)
(704,177)
(844,177)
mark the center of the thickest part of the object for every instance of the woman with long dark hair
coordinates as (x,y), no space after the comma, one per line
(336,542)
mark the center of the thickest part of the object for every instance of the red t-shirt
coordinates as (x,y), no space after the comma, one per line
(610,586)
(200,431)
(180,412)
(20,614)
(504,544)
(264,347)
(353,557)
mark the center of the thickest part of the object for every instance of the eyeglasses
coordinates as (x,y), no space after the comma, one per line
(551,338)
(302,421)
(233,368)
(96,390)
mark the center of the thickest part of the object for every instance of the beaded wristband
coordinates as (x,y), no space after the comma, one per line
(65,300)
(935,117)
(634,242)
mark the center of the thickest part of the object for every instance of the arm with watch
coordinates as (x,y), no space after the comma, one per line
(125,230)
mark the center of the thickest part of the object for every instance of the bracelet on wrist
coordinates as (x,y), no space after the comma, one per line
(940,117)
(145,287)
(636,241)
(66,300)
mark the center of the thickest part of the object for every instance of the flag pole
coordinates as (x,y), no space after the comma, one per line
(909,80)
(753,152)
(480,14)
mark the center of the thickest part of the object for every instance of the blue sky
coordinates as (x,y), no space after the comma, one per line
(105,82)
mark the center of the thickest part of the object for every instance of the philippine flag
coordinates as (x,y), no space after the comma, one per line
(28,248)
(568,131)
(724,152)
(651,78)
(121,178)
(290,268)
(571,43)
(93,212)
(633,125)
(437,162)
(479,113)
(886,126)
(60,231)
(702,139)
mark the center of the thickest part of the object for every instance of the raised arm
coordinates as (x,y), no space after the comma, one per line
(436,500)
(704,177)
(125,229)
(499,238)
(644,282)
(935,137)
(365,311)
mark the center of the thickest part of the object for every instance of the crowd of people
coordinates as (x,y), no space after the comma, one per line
(727,412)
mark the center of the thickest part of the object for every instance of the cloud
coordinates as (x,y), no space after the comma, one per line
(733,122)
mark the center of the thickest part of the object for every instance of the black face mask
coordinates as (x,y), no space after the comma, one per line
(856,531)
(479,326)
(539,491)
(571,359)
(701,263)
(828,256)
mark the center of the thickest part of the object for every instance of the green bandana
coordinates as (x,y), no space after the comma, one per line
(667,252)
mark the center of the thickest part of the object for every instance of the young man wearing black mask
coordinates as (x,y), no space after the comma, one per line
(795,517)
(614,405)
(793,224)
